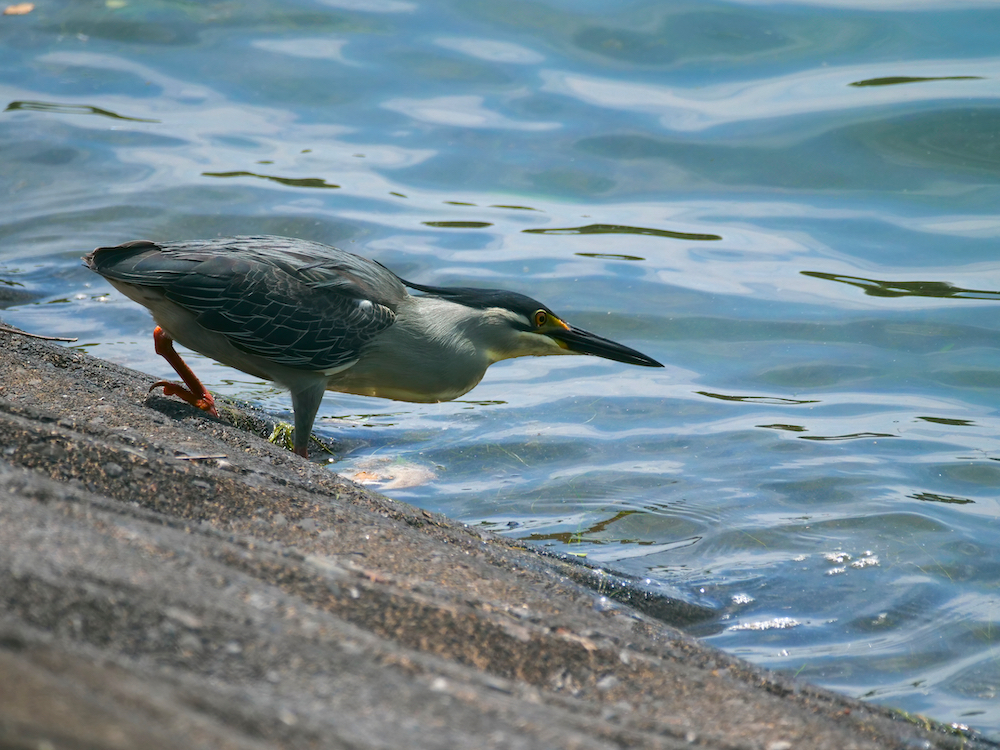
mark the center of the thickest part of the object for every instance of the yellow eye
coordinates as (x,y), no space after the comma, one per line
(540,318)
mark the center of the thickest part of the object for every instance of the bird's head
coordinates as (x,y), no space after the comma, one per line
(507,324)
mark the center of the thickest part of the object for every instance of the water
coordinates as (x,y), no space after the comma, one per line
(792,205)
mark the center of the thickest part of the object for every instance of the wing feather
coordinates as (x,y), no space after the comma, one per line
(299,304)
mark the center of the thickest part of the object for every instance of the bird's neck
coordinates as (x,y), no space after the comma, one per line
(429,354)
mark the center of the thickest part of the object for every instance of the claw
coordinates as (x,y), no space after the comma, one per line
(195,393)
(205,402)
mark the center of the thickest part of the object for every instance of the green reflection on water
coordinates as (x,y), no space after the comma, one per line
(623,229)
(306,182)
(783,427)
(878,288)
(70,109)
(935,498)
(851,436)
(575,537)
(457,224)
(945,420)
(894,80)
(609,256)
(757,399)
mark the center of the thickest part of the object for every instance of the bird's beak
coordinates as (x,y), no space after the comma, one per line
(582,342)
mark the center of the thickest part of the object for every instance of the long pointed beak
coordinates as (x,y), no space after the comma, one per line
(583,342)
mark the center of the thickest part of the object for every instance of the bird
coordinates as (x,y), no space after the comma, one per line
(312,318)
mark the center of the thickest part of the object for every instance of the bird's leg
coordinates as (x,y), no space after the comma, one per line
(305,404)
(195,393)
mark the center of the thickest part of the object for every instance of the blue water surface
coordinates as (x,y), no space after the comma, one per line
(792,205)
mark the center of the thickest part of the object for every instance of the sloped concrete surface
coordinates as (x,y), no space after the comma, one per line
(168,580)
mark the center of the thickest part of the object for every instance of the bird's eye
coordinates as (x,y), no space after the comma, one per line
(540,318)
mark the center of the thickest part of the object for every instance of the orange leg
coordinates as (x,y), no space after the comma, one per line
(195,393)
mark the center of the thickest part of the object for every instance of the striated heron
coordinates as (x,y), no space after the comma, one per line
(313,318)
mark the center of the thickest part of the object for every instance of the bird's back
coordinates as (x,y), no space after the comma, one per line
(147,263)
(296,303)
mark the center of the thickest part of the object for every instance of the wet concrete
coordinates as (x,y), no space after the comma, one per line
(169,580)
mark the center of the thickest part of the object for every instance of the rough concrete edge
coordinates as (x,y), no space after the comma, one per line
(770,682)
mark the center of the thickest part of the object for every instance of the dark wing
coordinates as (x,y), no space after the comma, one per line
(296,303)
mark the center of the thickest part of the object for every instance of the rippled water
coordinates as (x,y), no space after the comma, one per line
(792,205)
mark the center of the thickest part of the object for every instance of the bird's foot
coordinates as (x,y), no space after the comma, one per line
(195,393)
(203,401)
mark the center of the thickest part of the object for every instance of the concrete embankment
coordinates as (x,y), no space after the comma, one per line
(168,580)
